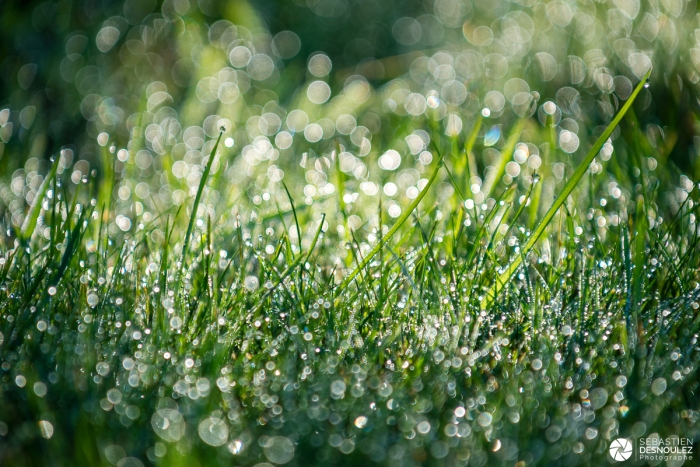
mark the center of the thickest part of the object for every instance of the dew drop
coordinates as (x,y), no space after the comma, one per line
(485,419)
(598,398)
(102,368)
(114,454)
(424,427)
(45,429)
(549,107)
(279,450)
(658,387)
(168,424)
(338,387)
(361,421)
(40,389)
(251,283)
(114,395)
(93,299)
(213,431)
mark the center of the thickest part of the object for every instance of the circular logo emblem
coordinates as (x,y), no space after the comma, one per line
(621,449)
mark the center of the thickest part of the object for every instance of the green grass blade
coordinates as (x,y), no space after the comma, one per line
(406,214)
(505,276)
(316,237)
(506,155)
(198,198)
(31,220)
(296,219)
(300,260)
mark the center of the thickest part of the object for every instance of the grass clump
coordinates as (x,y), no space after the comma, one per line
(283,340)
(469,260)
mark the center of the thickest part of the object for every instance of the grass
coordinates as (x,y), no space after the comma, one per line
(576,177)
(237,346)
(457,286)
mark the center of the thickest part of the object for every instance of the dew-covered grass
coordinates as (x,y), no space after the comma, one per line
(478,258)
(252,347)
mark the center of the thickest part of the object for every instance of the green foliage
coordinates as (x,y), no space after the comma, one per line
(561,198)
(425,235)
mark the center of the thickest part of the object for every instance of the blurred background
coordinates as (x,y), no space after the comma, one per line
(139,88)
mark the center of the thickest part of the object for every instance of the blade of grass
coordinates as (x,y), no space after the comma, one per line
(469,146)
(31,220)
(301,259)
(505,276)
(294,211)
(506,156)
(106,187)
(406,214)
(197,199)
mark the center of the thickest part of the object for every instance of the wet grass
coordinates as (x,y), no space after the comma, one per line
(491,332)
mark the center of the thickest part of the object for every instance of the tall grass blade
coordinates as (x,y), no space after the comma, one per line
(406,214)
(300,260)
(30,221)
(198,198)
(294,212)
(505,276)
(506,156)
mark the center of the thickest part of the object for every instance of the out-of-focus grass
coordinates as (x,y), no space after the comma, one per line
(368,269)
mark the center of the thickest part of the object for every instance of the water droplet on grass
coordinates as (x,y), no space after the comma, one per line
(424,426)
(45,429)
(176,322)
(40,389)
(114,454)
(213,431)
(251,283)
(114,395)
(338,388)
(102,368)
(130,462)
(549,107)
(598,397)
(658,387)
(20,381)
(279,450)
(168,424)
(485,419)
(361,421)
(492,136)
